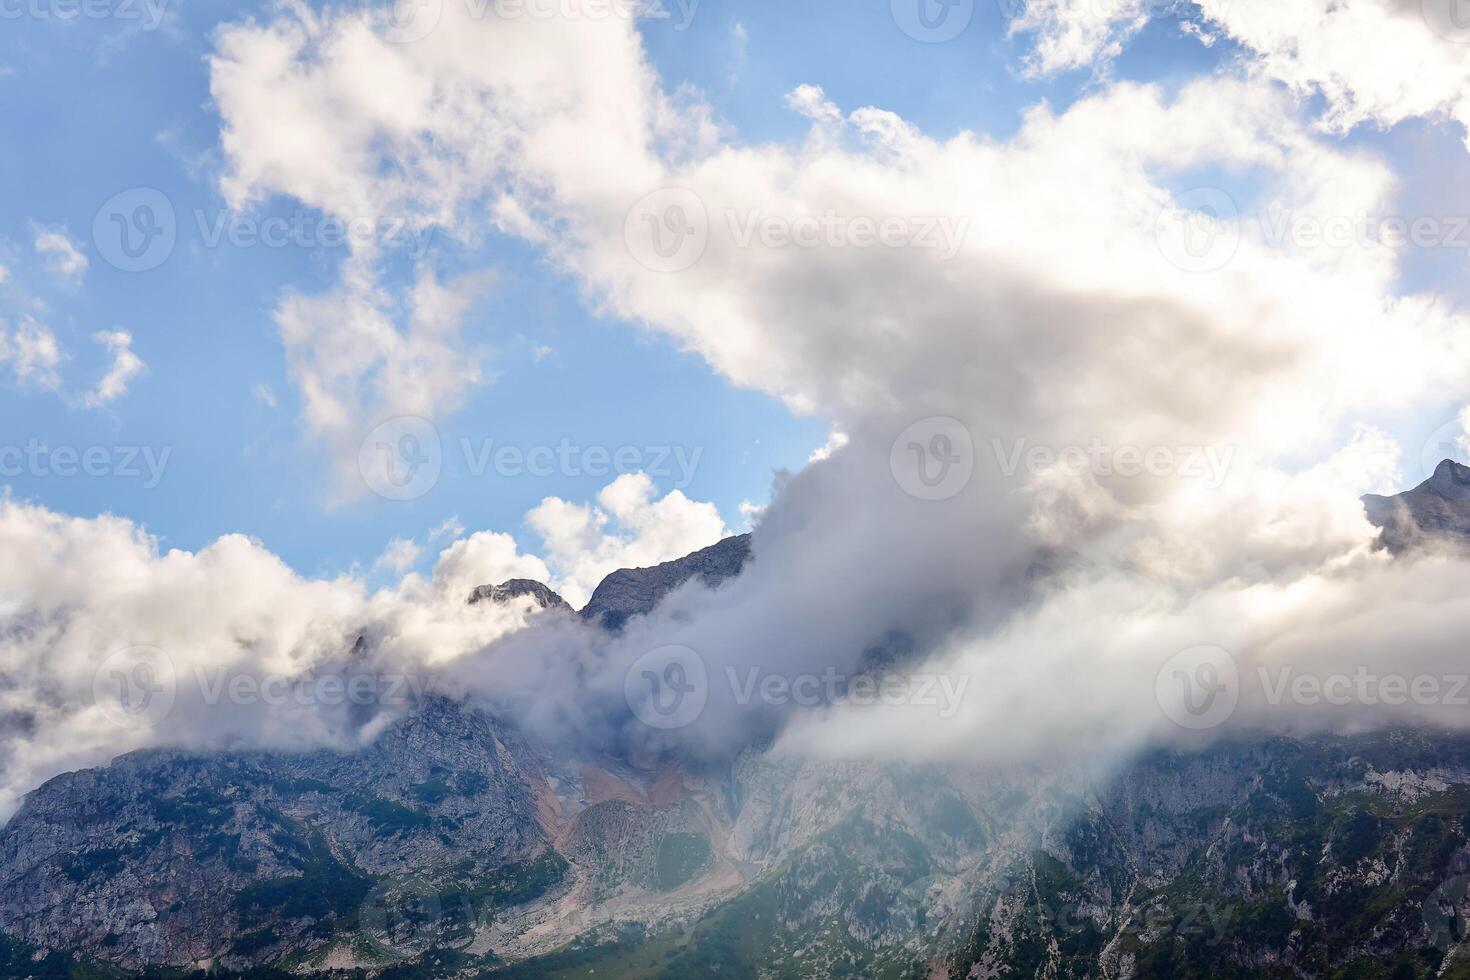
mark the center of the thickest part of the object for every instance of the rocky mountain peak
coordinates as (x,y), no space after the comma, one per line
(631,592)
(514,589)
(1437,511)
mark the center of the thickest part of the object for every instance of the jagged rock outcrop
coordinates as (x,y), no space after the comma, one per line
(1437,511)
(631,592)
(515,588)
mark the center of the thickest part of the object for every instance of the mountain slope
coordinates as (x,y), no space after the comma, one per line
(631,592)
(1437,510)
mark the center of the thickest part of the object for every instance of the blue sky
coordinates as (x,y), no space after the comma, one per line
(93,107)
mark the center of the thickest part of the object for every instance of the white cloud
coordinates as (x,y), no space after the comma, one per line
(451,529)
(1062,317)
(265,396)
(630,529)
(1074,34)
(399,556)
(125,367)
(74,591)
(1351,53)
(33,354)
(836,439)
(63,256)
(1354,54)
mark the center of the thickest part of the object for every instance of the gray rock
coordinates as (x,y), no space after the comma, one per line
(1437,511)
(517,587)
(631,592)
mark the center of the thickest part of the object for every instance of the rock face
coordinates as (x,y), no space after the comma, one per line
(633,592)
(170,858)
(515,588)
(1436,511)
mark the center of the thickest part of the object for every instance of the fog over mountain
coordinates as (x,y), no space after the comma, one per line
(1132,576)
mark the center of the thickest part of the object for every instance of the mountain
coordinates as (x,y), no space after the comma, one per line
(1436,510)
(451,845)
(633,592)
(515,588)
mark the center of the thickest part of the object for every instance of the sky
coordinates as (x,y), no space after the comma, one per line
(314,317)
(110,98)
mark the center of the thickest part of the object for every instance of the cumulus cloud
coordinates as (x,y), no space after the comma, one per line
(399,556)
(79,598)
(1353,55)
(1350,53)
(125,367)
(628,528)
(32,353)
(1074,34)
(1084,307)
(63,256)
